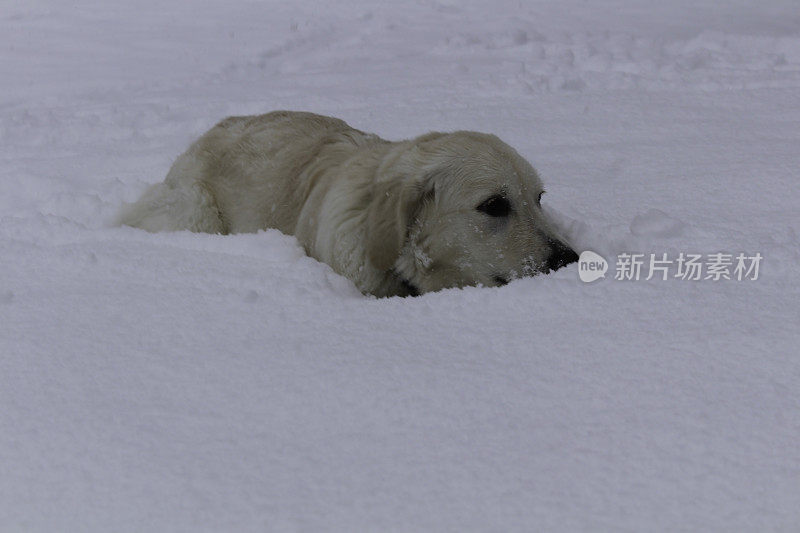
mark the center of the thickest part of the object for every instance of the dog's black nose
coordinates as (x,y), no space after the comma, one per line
(562,255)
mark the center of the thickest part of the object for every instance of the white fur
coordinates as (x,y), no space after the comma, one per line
(395,218)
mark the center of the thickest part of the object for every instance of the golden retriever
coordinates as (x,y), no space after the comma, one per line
(397,218)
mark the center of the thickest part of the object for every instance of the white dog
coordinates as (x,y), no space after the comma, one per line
(397,218)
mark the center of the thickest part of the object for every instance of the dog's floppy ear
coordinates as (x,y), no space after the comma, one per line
(396,195)
(393,204)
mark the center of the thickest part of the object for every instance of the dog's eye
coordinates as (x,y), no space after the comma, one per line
(539,199)
(496,206)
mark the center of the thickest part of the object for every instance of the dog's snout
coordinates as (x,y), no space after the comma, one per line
(561,255)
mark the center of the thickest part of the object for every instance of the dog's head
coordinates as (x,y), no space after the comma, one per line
(457,209)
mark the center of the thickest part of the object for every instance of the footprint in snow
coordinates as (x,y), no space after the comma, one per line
(656,223)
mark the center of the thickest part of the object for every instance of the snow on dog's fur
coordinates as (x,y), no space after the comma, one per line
(397,218)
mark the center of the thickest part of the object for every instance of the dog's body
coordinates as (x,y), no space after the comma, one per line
(397,218)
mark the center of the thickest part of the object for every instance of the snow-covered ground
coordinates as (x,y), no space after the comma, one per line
(183,382)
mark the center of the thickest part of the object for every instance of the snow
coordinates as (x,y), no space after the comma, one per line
(190,382)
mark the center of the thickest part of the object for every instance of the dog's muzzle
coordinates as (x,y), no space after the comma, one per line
(561,255)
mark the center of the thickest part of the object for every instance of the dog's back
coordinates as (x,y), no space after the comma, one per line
(245,174)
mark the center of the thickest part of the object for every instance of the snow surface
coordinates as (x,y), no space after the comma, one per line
(182,382)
